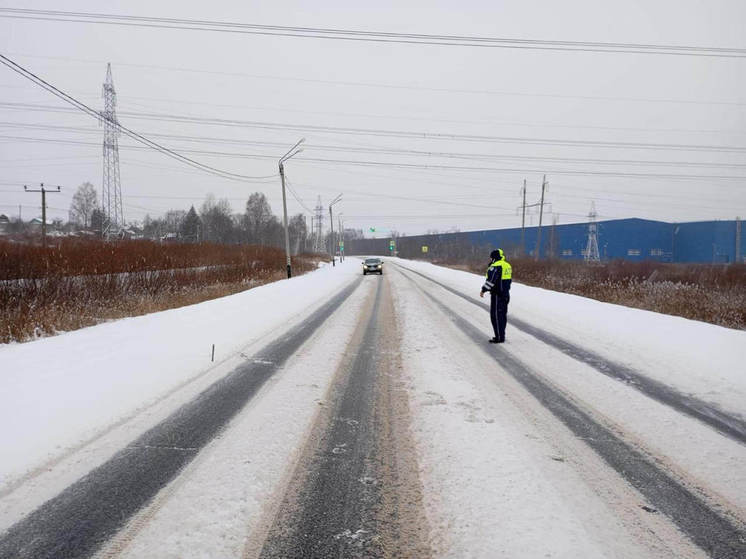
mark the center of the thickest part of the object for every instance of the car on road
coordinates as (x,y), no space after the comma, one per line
(372,266)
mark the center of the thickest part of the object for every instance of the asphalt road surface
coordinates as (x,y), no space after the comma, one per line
(358,483)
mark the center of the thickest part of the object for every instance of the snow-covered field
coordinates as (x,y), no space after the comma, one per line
(501,476)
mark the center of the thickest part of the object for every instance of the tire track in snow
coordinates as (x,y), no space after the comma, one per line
(356,492)
(726,424)
(78,521)
(721,537)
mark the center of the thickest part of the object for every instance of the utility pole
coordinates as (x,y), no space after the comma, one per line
(43,210)
(331,237)
(285,221)
(295,150)
(541,215)
(738,240)
(523,222)
(331,224)
(552,251)
(341,239)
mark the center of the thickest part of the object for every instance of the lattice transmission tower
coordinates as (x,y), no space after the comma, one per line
(318,221)
(591,247)
(111,190)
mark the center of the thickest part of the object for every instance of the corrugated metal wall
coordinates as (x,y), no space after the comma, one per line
(629,239)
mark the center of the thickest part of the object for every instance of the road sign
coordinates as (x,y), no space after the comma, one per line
(424,249)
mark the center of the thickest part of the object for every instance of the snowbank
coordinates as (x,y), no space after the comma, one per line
(59,391)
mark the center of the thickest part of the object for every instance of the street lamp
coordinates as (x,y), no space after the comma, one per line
(331,222)
(293,151)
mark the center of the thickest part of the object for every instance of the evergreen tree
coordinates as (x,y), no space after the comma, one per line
(191,227)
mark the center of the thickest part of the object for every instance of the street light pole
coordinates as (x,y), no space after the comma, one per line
(290,153)
(285,221)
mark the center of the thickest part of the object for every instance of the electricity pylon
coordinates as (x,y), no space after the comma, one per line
(318,220)
(111,189)
(591,247)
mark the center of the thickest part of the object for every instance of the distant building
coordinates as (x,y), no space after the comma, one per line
(171,238)
(4,224)
(130,232)
(35,224)
(627,239)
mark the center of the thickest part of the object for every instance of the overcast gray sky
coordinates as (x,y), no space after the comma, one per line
(505,93)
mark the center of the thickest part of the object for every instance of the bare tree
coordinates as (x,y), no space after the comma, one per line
(216,219)
(298,232)
(83,203)
(173,219)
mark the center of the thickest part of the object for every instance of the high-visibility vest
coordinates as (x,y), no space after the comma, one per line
(507,269)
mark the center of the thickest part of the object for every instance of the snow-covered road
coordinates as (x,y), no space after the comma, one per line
(366,417)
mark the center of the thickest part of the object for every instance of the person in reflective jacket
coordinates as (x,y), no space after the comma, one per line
(497,282)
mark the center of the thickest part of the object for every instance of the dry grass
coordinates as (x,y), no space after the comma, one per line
(709,293)
(81,283)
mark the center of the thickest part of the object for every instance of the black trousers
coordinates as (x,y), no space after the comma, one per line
(499,314)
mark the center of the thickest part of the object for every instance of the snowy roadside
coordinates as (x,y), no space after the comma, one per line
(221,504)
(57,392)
(501,477)
(696,358)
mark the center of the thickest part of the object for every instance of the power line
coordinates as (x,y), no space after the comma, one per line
(403,133)
(297,198)
(444,200)
(132,134)
(516,170)
(566,191)
(400,165)
(369,36)
(338,83)
(378,116)
(396,151)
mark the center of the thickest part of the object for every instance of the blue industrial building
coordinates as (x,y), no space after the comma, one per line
(628,239)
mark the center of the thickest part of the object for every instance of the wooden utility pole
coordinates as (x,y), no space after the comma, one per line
(537,254)
(43,210)
(523,222)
